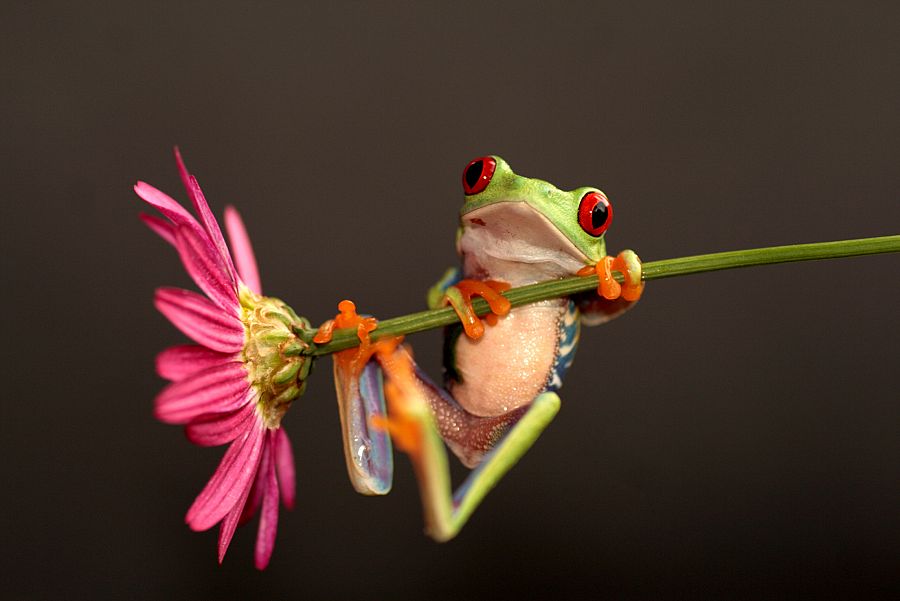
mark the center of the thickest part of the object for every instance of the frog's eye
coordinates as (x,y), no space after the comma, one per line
(594,213)
(477,175)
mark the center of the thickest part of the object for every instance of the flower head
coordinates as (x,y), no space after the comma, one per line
(235,384)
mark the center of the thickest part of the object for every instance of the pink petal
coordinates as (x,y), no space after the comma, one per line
(253,501)
(162,227)
(243,250)
(230,522)
(178,362)
(183,172)
(166,205)
(211,225)
(268,517)
(284,463)
(201,320)
(218,389)
(227,527)
(205,268)
(234,450)
(230,483)
(256,491)
(220,429)
(206,216)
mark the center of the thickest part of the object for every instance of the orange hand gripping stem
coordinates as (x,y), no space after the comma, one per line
(461,301)
(608,287)
(354,359)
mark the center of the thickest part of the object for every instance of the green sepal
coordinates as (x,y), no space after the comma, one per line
(294,347)
(287,372)
(287,395)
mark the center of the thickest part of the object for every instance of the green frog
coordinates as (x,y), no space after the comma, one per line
(501,379)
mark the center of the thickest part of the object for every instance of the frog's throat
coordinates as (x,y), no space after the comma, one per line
(517,233)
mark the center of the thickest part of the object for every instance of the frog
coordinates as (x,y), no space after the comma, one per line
(502,373)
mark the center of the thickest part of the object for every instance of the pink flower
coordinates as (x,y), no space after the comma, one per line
(237,382)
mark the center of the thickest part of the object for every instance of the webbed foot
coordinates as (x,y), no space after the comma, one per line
(629,265)
(460,296)
(348,318)
(408,411)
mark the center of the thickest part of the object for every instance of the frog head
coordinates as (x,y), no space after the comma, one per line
(523,230)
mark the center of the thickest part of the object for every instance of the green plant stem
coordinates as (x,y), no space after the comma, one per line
(653,270)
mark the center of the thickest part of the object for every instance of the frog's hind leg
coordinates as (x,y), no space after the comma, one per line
(412,426)
(470,437)
(367,451)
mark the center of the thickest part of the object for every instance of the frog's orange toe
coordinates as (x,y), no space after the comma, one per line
(633,286)
(632,293)
(324,333)
(607,286)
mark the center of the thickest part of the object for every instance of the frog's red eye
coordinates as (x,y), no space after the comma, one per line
(477,175)
(594,213)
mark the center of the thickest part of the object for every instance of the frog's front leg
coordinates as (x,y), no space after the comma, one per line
(411,423)
(458,293)
(436,293)
(611,299)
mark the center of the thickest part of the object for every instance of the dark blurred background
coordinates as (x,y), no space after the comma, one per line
(734,436)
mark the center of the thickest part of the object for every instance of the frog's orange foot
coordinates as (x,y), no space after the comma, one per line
(629,265)
(347,318)
(354,359)
(405,407)
(460,298)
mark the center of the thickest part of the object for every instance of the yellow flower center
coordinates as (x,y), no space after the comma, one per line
(273,353)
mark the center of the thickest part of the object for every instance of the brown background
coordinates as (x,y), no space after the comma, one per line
(736,435)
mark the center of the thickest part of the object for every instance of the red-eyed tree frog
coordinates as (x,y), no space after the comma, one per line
(500,382)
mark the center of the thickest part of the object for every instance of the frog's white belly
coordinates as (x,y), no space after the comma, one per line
(510,365)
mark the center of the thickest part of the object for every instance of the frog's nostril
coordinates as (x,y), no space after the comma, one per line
(477,175)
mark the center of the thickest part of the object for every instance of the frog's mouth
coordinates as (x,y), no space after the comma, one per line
(513,241)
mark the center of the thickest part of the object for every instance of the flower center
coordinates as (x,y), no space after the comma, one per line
(273,353)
